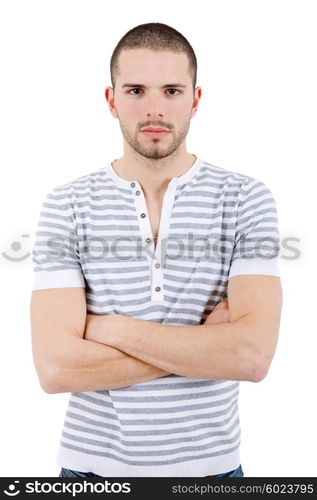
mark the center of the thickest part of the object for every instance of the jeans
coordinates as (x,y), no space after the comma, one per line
(74,473)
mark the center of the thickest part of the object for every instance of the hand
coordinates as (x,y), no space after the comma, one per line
(220,314)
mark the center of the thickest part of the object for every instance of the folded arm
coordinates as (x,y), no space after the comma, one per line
(241,349)
(64,360)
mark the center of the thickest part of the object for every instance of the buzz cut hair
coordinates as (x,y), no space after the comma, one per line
(156,37)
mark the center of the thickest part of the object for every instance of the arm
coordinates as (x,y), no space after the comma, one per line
(239,350)
(64,360)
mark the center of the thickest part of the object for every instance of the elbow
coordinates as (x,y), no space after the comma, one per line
(257,374)
(258,368)
(51,381)
(48,388)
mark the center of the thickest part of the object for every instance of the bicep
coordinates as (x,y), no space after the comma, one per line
(58,316)
(256,300)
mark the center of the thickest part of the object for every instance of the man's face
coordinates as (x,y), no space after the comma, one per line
(153,89)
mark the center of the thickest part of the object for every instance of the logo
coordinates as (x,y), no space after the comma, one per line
(12,493)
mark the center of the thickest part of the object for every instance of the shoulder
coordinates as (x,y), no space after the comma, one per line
(80,186)
(79,183)
(230,181)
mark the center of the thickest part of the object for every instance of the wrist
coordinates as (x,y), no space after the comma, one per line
(120,329)
(109,329)
(93,328)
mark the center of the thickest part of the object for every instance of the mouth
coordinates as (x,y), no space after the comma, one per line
(155,132)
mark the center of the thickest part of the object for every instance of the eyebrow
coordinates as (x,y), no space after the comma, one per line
(139,85)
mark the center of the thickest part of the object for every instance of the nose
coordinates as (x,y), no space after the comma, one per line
(154,106)
(154,113)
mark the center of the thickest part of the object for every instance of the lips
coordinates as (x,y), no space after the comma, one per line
(152,129)
(155,131)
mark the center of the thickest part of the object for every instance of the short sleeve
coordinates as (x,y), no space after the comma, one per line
(55,255)
(256,245)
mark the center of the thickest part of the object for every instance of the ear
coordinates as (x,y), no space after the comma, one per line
(197,97)
(109,94)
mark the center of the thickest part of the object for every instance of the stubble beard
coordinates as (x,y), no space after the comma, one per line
(155,148)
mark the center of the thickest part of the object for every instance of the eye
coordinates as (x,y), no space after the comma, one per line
(129,91)
(136,91)
(174,91)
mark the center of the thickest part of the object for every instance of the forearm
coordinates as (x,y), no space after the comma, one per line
(90,366)
(218,351)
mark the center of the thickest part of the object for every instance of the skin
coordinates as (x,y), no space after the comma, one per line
(153,161)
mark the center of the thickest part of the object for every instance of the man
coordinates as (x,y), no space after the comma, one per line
(156,285)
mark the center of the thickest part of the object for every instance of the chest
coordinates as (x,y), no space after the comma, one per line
(154,211)
(156,257)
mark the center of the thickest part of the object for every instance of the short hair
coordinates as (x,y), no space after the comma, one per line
(157,37)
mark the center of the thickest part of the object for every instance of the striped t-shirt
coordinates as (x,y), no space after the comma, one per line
(94,232)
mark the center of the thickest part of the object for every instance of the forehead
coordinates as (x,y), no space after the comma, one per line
(145,63)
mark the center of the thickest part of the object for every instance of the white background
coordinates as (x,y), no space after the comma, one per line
(257,116)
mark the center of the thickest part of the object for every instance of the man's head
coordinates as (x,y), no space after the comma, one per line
(153,73)
(156,37)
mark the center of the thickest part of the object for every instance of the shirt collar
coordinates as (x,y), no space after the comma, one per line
(178,181)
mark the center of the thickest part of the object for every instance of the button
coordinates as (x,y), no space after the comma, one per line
(157,265)
(148,240)
(158,289)
(132,184)
(138,193)
(143,215)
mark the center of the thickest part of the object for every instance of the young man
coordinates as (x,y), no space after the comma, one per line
(156,285)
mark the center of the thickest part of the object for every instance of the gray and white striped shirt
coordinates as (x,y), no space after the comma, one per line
(94,232)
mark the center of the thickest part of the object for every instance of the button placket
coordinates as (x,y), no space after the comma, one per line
(159,256)
(147,239)
(155,263)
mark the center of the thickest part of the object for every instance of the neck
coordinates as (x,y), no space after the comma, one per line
(153,175)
